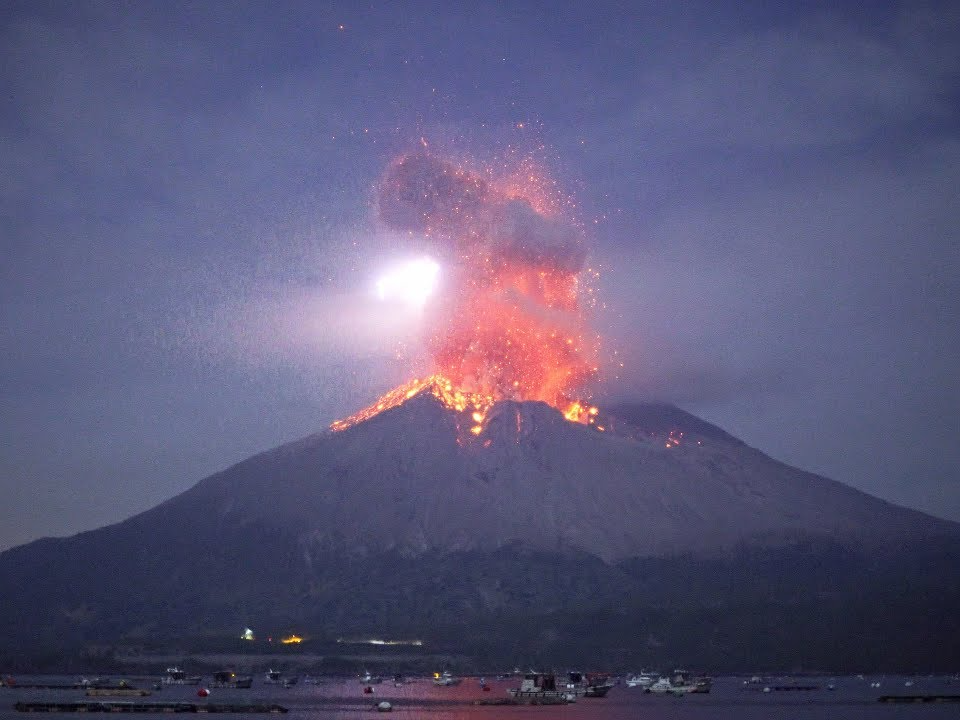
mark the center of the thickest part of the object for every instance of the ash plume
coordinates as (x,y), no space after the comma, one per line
(426,194)
(509,322)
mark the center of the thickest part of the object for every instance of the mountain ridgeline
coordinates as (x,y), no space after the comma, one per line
(657,540)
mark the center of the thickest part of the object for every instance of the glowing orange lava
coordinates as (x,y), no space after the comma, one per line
(509,322)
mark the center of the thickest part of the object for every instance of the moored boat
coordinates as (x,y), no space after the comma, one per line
(275,677)
(681,683)
(176,676)
(588,684)
(368,679)
(643,679)
(445,679)
(542,689)
(229,679)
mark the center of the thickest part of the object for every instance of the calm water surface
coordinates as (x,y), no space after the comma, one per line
(730,699)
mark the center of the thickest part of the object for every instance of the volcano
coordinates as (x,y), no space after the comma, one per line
(648,535)
(411,480)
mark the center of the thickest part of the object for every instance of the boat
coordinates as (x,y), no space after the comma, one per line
(368,679)
(542,689)
(272,677)
(229,679)
(589,684)
(598,689)
(643,679)
(93,682)
(661,687)
(702,684)
(176,676)
(275,677)
(680,683)
(445,679)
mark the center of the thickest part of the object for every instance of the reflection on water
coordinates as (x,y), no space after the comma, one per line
(731,699)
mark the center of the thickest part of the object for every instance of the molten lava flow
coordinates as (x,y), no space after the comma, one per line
(509,320)
(440,387)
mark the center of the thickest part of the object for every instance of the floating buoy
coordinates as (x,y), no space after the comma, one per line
(384,707)
(202,692)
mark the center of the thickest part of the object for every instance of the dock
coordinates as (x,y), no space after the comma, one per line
(146,707)
(120,691)
(919,698)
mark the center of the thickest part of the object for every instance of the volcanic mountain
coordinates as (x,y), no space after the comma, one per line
(408,480)
(528,536)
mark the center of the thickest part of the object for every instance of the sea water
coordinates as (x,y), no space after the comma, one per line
(853,698)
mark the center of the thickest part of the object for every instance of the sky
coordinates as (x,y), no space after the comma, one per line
(189,243)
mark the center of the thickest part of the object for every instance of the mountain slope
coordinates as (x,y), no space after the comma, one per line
(407,480)
(408,522)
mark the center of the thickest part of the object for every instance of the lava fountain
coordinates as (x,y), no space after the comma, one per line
(509,320)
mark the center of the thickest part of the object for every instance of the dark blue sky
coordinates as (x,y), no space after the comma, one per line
(188,241)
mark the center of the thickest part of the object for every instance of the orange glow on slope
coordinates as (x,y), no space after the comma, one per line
(438,386)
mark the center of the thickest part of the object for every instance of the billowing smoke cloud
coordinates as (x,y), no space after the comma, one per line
(519,233)
(426,194)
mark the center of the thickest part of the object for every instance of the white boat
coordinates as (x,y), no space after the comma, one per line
(445,679)
(368,679)
(643,679)
(176,676)
(661,686)
(275,677)
(680,684)
(664,686)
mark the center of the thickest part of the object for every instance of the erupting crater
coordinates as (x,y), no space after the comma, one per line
(478,405)
(509,321)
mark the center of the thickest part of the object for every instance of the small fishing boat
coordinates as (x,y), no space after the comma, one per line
(542,689)
(176,676)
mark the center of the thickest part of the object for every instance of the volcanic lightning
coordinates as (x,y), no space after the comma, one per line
(412,282)
(508,321)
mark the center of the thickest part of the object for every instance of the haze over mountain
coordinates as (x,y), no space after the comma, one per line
(408,522)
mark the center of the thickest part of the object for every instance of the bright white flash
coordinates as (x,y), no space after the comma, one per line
(412,283)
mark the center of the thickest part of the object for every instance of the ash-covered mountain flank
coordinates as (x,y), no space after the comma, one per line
(650,536)
(410,479)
